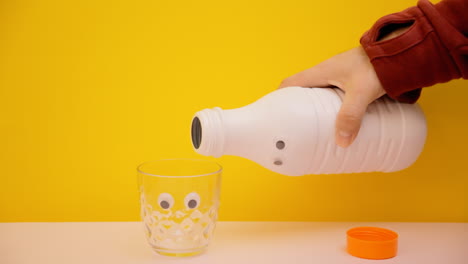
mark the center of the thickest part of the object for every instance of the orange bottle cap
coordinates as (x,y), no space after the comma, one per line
(372,242)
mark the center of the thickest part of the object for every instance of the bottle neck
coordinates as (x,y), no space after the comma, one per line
(208,132)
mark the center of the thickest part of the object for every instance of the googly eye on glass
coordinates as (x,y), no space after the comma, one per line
(165,201)
(192,200)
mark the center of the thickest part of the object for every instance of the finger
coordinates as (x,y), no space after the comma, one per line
(316,76)
(349,118)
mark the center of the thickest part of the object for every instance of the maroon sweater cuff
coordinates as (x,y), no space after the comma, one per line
(433,50)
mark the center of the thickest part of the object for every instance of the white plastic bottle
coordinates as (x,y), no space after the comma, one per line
(292,131)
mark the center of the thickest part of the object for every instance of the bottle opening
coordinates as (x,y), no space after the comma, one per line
(196,132)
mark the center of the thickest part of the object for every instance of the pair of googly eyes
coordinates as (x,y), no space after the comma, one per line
(191,200)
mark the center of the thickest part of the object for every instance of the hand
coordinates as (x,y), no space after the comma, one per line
(352,72)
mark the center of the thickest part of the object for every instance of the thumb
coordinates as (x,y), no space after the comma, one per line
(349,118)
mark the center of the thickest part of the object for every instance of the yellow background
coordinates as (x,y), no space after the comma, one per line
(90,89)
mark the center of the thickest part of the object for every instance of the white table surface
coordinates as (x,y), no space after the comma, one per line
(234,242)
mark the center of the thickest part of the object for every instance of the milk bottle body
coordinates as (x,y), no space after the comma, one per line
(292,131)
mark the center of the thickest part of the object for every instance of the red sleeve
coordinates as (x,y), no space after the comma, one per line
(433,50)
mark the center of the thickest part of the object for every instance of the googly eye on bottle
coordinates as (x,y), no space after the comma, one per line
(165,201)
(192,200)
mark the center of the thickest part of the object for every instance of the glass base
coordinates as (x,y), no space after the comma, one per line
(177,253)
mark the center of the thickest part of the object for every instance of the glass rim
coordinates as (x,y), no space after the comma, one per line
(220,168)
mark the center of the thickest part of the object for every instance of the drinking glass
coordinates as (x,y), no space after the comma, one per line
(179,201)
